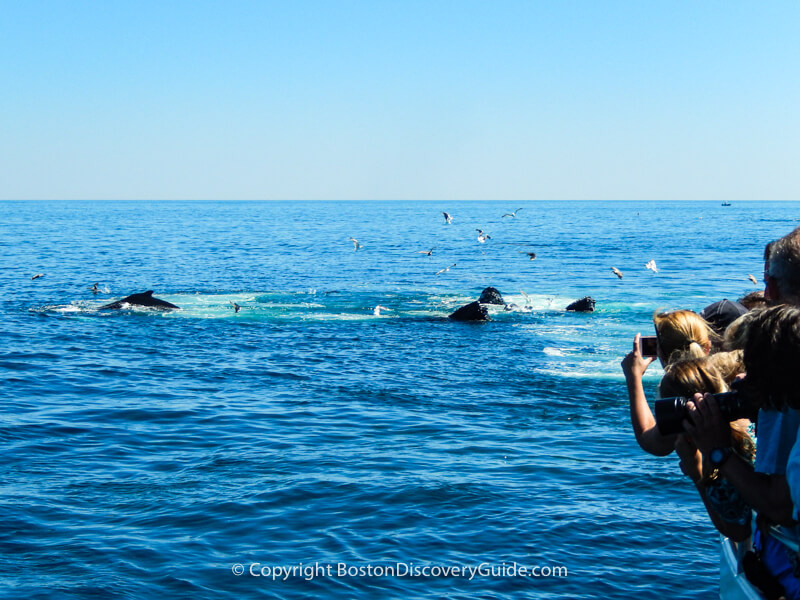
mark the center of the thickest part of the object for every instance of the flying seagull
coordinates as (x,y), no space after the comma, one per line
(527,298)
(446,269)
(356,245)
(482,237)
(377,310)
(95,289)
(447,218)
(236,307)
(37,276)
(512,214)
(753,279)
(652,266)
(426,252)
(531,255)
(617,272)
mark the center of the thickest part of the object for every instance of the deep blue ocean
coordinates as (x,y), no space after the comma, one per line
(148,454)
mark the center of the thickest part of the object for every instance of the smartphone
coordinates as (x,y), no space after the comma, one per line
(649,345)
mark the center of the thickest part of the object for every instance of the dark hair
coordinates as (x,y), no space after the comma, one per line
(753,300)
(772,358)
(783,256)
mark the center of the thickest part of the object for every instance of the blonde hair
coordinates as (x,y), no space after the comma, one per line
(729,364)
(683,332)
(689,376)
(736,332)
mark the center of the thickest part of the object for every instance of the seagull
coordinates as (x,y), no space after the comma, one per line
(482,237)
(512,214)
(236,307)
(446,269)
(531,255)
(95,289)
(652,266)
(356,245)
(617,272)
(37,276)
(527,298)
(447,218)
(426,252)
(753,279)
(377,310)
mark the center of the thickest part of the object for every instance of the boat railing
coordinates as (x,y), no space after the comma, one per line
(733,584)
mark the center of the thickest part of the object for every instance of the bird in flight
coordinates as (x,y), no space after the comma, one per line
(377,310)
(37,276)
(446,269)
(531,255)
(447,218)
(356,245)
(527,298)
(482,237)
(236,307)
(753,279)
(512,214)
(652,266)
(617,272)
(426,252)
(95,289)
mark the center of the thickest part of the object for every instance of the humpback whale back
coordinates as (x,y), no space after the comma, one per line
(142,299)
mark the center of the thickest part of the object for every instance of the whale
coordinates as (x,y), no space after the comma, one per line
(491,295)
(585,304)
(477,311)
(143,299)
(474,311)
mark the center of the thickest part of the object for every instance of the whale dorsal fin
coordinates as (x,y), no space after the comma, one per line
(148,293)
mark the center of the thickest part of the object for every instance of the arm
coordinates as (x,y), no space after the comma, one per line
(691,466)
(734,531)
(644,424)
(767,494)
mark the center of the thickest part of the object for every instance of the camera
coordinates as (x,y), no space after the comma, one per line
(671,412)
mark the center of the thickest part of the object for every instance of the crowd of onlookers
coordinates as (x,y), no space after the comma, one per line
(744,461)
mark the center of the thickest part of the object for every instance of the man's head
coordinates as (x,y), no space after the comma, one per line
(782,270)
(771,357)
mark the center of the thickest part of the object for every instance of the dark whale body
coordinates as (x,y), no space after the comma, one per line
(585,304)
(476,311)
(143,299)
(491,296)
(473,311)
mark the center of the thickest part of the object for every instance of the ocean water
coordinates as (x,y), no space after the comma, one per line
(147,454)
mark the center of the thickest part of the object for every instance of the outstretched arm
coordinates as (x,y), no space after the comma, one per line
(644,424)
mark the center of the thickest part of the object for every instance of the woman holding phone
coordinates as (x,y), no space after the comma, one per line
(680,333)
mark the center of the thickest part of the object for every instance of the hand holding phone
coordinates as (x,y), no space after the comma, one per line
(648,344)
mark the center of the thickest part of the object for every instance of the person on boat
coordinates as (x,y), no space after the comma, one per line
(729,512)
(680,333)
(753,300)
(771,357)
(721,314)
(730,364)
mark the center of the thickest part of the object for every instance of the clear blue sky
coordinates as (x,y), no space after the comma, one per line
(400,99)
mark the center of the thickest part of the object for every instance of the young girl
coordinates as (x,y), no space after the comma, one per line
(729,512)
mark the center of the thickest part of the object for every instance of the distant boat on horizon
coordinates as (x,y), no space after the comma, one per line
(726,204)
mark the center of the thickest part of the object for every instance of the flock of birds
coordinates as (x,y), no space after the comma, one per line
(483,237)
(448,219)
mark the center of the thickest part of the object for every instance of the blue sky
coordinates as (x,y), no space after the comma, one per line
(399,100)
